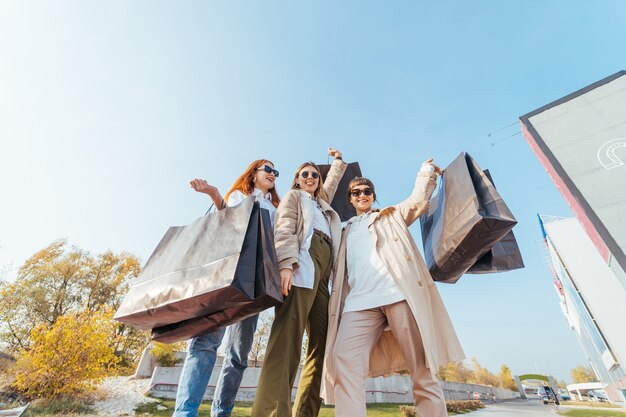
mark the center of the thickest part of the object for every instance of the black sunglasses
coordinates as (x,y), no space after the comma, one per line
(305,174)
(357,192)
(269,170)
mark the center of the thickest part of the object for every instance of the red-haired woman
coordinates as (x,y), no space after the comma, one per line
(257,180)
(307,236)
(381,281)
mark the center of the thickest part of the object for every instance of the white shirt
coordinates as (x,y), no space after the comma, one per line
(304,276)
(371,284)
(265,201)
(320,222)
(314,218)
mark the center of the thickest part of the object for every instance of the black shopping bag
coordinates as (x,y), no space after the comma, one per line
(198,269)
(267,289)
(465,220)
(503,256)
(341,202)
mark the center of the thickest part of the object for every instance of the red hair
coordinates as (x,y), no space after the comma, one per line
(245,182)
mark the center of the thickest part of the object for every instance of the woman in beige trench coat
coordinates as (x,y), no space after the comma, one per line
(391,287)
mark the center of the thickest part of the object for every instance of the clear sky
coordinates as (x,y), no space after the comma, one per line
(108,109)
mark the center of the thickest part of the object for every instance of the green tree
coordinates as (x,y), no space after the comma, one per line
(582,374)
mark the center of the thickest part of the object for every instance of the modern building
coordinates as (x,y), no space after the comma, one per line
(580,140)
(592,299)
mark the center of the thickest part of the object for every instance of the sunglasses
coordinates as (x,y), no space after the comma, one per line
(269,170)
(365,191)
(305,174)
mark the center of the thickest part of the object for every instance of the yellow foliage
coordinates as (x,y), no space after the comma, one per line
(164,354)
(67,358)
(582,374)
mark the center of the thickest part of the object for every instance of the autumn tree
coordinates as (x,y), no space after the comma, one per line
(455,372)
(60,280)
(582,374)
(165,354)
(505,378)
(261,337)
(482,375)
(68,357)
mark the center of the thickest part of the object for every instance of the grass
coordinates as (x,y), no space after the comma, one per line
(64,407)
(592,413)
(78,408)
(242,409)
(590,404)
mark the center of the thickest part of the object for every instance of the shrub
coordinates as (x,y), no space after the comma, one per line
(164,354)
(452,407)
(68,358)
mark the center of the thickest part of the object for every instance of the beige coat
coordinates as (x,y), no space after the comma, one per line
(294,225)
(399,253)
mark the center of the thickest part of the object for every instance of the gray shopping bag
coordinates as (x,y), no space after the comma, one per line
(198,269)
(464,221)
(259,247)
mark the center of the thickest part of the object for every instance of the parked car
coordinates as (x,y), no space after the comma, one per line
(597,396)
(565,395)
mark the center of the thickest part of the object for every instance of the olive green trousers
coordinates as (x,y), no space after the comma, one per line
(302,309)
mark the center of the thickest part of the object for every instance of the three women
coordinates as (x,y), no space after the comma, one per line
(379,281)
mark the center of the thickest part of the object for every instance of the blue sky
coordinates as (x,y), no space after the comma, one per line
(108,109)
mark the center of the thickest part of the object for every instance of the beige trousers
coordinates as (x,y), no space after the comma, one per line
(358,331)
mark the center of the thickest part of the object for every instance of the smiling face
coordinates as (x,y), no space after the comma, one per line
(264,180)
(361,194)
(308,179)
(361,202)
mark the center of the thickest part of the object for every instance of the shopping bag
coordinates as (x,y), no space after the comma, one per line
(465,219)
(267,290)
(197,270)
(503,256)
(341,202)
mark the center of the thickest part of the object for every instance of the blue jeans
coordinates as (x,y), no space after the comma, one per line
(199,363)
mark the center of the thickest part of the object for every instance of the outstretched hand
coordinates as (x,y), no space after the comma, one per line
(438,170)
(334,153)
(202,186)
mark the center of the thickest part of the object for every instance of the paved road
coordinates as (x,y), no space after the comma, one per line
(517,408)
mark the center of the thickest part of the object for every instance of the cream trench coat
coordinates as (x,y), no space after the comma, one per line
(398,251)
(294,227)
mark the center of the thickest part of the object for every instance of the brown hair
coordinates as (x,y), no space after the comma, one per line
(245,182)
(319,192)
(361,181)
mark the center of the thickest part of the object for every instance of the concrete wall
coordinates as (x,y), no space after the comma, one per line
(394,389)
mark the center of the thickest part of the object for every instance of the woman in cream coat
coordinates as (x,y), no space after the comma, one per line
(388,286)
(307,235)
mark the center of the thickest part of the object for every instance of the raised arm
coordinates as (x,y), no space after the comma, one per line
(337,169)
(201,186)
(417,203)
